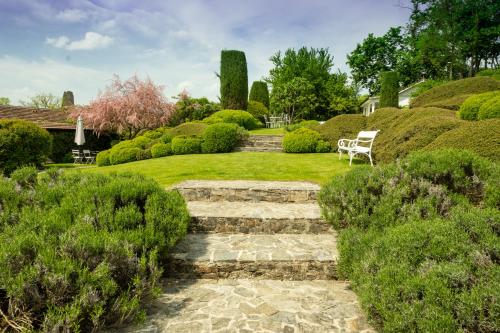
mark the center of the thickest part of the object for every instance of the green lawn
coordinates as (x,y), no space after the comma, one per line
(268,131)
(243,165)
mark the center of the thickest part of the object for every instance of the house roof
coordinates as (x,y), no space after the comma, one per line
(376,98)
(45,118)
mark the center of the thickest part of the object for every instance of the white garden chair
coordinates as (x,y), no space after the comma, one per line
(361,145)
(77,157)
(89,157)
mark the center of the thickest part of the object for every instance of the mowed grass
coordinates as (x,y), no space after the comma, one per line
(170,170)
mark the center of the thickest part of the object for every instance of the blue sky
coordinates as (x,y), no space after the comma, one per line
(52,46)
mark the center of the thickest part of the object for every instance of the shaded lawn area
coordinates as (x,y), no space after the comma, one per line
(268,131)
(169,170)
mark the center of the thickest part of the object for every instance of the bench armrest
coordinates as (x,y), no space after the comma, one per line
(347,143)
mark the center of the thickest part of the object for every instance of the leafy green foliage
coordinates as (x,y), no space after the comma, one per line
(233,80)
(470,108)
(389,89)
(68,99)
(188,129)
(426,85)
(479,137)
(475,85)
(303,140)
(42,101)
(418,241)
(257,109)
(161,149)
(490,109)
(4,101)
(123,155)
(191,109)
(102,158)
(296,98)
(345,126)
(182,145)
(239,117)
(221,138)
(22,143)
(81,252)
(259,93)
(312,124)
(494,73)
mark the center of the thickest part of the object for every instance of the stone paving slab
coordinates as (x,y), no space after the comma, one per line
(256,218)
(280,256)
(248,190)
(255,306)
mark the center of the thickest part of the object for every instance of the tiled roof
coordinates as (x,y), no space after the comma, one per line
(46,118)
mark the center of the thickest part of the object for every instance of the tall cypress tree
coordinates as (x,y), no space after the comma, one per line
(259,93)
(233,80)
(68,99)
(389,89)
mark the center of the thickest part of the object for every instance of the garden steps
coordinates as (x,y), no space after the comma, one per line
(264,143)
(248,190)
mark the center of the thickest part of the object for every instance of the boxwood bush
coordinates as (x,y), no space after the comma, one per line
(470,108)
(341,127)
(83,251)
(419,240)
(258,110)
(490,109)
(303,140)
(123,155)
(242,118)
(221,138)
(182,145)
(22,143)
(312,124)
(187,129)
(102,158)
(161,150)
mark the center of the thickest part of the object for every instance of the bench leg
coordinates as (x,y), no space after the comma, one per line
(370,156)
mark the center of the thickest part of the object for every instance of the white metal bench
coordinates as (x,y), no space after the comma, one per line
(361,145)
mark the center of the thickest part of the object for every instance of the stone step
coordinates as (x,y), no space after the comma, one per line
(254,306)
(259,149)
(256,138)
(262,144)
(235,256)
(256,217)
(248,190)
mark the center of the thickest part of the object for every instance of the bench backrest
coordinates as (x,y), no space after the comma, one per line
(366,138)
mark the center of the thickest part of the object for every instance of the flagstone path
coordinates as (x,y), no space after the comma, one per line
(258,258)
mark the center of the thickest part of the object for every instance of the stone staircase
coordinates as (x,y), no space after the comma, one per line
(258,258)
(262,143)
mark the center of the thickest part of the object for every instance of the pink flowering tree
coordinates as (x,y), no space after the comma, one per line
(127,108)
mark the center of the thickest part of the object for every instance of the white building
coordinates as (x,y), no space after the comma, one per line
(371,104)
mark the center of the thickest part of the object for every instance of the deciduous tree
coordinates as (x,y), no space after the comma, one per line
(42,101)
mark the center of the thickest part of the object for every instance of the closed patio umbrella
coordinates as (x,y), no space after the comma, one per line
(79,135)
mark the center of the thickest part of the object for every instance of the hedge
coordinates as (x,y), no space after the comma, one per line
(242,118)
(22,143)
(481,137)
(419,241)
(259,93)
(123,155)
(304,140)
(469,86)
(470,108)
(493,73)
(102,158)
(312,124)
(343,126)
(161,150)
(233,80)
(389,89)
(221,138)
(81,252)
(490,109)
(188,129)
(182,145)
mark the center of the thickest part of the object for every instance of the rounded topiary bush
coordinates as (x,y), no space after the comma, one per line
(221,138)
(144,154)
(470,108)
(22,143)
(312,124)
(102,158)
(123,155)
(259,93)
(490,109)
(242,118)
(302,140)
(187,129)
(182,145)
(161,149)
(323,147)
(257,109)
(342,127)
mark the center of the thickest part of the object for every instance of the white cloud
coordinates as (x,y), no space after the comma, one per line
(91,41)
(71,15)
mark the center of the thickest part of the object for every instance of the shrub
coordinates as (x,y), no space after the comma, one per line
(161,149)
(470,107)
(182,145)
(417,243)
(221,138)
(478,137)
(493,73)
(312,124)
(425,86)
(102,158)
(242,118)
(187,129)
(123,155)
(257,109)
(323,147)
(191,109)
(259,93)
(343,126)
(144,154)
(474,85)
(68,99)
(85,251)
(452,103)
(302,140)
(490,109)
(166,137)
(22,143)
(153,134)
(233,80)
(141,142)
(389,89)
